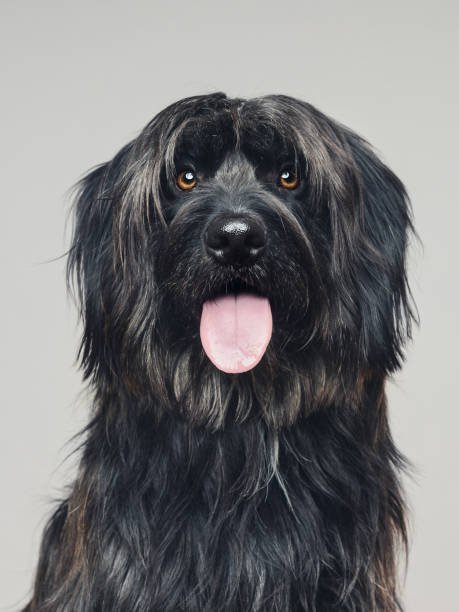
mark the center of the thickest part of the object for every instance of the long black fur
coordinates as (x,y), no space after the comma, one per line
(273,490)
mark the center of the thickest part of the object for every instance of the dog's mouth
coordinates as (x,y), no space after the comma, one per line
(236,327)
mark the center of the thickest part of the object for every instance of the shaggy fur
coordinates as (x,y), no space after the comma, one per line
(273,490)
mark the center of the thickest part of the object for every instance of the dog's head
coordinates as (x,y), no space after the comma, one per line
(242,255)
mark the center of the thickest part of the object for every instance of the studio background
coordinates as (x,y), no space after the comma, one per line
(81,79)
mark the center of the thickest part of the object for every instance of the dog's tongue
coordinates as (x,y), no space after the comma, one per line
(235,331)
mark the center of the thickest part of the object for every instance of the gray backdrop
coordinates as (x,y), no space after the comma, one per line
(79,79)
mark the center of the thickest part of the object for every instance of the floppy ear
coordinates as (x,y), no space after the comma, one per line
(110,261)
(90,262)
(385,306)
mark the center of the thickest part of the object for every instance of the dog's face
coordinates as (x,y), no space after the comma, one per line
(242,254)
(235,256)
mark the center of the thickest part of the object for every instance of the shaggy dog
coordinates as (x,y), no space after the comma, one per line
(241,272)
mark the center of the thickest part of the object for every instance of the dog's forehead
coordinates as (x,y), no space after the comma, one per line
(235,166)
(217,138)
(207,139)
(264,142)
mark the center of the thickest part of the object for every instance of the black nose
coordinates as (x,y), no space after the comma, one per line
(237,240)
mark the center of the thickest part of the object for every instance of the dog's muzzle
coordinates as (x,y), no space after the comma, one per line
(235,327)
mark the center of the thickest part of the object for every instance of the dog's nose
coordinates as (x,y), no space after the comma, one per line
(237,240)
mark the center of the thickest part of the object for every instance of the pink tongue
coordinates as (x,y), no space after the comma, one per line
(235,331)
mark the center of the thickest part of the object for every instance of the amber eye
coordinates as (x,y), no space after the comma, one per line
(186,179)
(288,179)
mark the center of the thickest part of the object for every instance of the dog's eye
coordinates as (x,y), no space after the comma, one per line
(288,179)
(186,179)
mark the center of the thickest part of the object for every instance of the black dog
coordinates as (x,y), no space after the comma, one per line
(241,270)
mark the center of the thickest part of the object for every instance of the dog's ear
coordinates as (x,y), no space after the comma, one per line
(379,265)
(110,264)
(90,260)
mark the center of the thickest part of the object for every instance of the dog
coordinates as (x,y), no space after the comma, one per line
(241,271)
